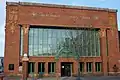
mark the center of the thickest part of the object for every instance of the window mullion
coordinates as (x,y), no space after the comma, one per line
(40,67)
(54,67)
(31,67)
(51,67)
(96,67)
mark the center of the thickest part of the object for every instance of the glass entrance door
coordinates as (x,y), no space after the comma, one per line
(66,69)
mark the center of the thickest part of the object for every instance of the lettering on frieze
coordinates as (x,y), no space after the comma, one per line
(44,15)
(54,15)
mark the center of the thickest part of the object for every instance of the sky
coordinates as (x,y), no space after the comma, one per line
(114,4)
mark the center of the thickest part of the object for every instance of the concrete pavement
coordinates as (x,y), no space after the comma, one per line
(86,78)
(72,78)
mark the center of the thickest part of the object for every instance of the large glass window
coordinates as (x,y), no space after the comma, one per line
(63,42)
(98,66)
(51,67)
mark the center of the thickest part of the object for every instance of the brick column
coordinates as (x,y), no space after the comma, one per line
(94,71)
(25,69)
(36,67)
(85,68)
(25,59)
(75,67)
(58,68)
(103,49)
(46,68)
(25,28)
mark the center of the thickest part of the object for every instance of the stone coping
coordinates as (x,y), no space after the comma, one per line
(61,6)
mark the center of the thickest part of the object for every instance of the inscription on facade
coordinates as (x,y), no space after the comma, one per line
(54,15)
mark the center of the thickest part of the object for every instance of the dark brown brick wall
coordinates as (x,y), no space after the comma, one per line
(66,17)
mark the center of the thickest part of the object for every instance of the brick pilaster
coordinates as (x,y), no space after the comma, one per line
(75,67)
(85,68)
(46,68)
(36,67)
(94,71)
(25,70)
(25,28)
(103,49)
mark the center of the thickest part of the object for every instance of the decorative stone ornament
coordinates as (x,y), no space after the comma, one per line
(112,31)
(20,69)
(102,32)
(90,25)
(12,28)
(112,21)
(96,17)
(25,57)
(33,14)
(25,28)
(12,18)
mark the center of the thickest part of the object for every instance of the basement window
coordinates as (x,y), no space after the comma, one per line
(41,67)
(51,67)
(81,66)
(31,67)
(98,67)
(11,66)
(89,66)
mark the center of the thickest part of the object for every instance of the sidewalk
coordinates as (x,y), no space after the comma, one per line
(48,78)
(70,78)
(54,78)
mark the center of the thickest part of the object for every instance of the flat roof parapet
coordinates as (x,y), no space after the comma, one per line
(60,6)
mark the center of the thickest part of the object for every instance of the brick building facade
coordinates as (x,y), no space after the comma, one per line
(23,19)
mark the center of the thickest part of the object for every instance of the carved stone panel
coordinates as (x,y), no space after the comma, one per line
(112,22)
(12,18)
(102,32)
(25,28)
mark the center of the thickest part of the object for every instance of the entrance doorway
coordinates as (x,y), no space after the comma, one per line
(66,68)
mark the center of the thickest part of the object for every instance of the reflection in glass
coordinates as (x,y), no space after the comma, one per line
(63,42)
